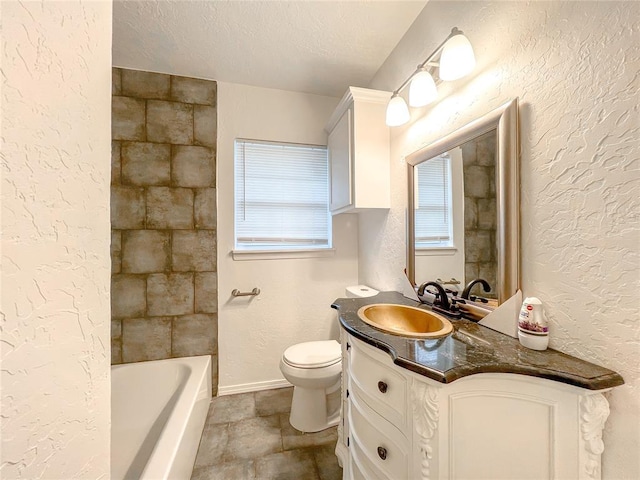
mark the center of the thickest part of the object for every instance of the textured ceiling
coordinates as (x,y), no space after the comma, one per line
(317,47)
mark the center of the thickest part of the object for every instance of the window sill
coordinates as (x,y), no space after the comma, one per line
(280,254)
(436,251)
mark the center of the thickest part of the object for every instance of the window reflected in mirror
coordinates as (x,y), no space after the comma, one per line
(434,216)
(456,216)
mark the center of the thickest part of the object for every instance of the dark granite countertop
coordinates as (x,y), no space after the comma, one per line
(471,349)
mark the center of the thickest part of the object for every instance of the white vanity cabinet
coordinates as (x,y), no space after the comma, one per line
(401,425)
(358,148)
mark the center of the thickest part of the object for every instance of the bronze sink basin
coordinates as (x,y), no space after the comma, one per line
(405,321)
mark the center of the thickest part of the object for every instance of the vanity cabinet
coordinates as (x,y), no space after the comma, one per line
(400,425)
(358,148)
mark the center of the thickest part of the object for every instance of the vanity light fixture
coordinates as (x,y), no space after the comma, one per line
(397,111)
(456,60)
(422,90)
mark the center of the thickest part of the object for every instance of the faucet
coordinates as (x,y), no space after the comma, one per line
(485,286)
(444,299)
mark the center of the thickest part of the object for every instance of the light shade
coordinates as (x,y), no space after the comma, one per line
(457,58)
(397,112)
(422,90)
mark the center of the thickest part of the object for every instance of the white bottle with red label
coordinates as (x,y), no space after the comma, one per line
(533,328)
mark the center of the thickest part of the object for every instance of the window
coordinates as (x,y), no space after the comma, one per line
(281,196)
(433,216)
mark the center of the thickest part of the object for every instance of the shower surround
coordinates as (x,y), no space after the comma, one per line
(480,215)
(163,217)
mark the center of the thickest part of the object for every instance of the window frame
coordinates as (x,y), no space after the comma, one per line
(443,247)
(278,249)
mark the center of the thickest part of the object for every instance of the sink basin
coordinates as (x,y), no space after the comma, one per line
(406,321)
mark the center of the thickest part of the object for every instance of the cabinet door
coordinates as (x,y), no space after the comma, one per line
(502,426)
(340,163)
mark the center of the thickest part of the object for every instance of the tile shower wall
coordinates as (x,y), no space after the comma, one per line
(480,216)
(163,217)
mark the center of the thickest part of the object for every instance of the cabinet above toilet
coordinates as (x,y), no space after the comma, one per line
(358,148)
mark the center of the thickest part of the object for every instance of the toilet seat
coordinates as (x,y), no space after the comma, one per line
(313,354)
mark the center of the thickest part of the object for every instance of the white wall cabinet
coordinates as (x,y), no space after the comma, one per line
(400,425)
(358,148)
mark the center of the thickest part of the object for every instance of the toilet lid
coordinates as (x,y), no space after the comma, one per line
(313,354)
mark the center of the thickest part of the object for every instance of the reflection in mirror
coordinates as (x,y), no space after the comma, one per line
(464,211)
(455,216)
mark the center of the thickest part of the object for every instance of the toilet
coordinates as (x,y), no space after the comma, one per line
(314,369)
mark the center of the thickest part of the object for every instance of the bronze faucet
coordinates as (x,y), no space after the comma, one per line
(442,298)
(467,290)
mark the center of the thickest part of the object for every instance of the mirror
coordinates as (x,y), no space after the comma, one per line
(463,219)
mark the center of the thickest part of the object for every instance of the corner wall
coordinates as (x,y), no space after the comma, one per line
(56,110)
(296,293)
(574,66)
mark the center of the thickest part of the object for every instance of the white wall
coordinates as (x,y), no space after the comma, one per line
(296,293)
(442,263)
(56,111)
(574,66)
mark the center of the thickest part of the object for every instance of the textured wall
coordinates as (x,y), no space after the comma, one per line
(575,67)
(56,74)
(296,293)
(163,217)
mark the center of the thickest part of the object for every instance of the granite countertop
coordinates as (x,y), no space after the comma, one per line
(471,349)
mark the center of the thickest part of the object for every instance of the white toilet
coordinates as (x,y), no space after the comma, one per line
(314,370)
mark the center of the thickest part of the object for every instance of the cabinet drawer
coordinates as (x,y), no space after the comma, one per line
(361,468)
(376,443)
(358,469)
(383,389)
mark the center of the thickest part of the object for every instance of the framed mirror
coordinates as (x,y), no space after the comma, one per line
(464,210)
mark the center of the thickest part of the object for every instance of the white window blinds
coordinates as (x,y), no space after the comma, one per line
(433,216)
(281,196)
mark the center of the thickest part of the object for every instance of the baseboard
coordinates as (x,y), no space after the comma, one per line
(253,387)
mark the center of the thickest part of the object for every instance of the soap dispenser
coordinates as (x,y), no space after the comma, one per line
(533,328)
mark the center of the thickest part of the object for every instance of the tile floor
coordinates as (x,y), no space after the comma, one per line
(248,436)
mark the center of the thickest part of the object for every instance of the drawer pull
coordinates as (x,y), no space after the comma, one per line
(348,345)
(382,453)
(382,387)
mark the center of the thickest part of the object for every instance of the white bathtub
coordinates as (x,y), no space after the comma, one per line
(158,410)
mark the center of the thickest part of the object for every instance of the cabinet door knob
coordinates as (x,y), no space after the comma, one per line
(348,345)
(382,387)
(382,453)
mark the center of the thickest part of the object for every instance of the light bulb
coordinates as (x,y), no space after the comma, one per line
(397,111)
(457,58)
(422,90)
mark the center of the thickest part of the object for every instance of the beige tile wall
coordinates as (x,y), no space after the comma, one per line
(480,217)
(163,217)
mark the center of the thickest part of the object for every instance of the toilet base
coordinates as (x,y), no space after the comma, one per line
(309,410)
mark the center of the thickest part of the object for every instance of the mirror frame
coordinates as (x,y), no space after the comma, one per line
(505,120)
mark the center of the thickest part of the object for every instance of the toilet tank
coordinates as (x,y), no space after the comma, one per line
(355,291)
(360,291)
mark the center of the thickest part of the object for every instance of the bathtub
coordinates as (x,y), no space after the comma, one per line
(158,410)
